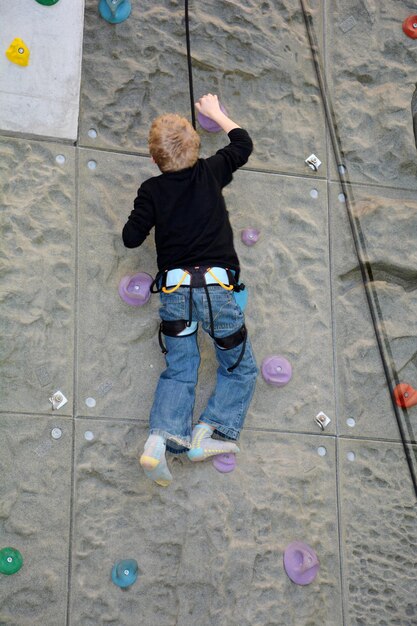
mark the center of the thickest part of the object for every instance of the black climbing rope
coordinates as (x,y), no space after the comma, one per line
(378,323)
(189,63)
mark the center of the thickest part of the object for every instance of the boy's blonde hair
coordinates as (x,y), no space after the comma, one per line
(173,143)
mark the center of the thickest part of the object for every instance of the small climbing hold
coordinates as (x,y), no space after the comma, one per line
(10,561)
(18,52)
(300,563)
(115,11)
(322,420)
(313,162)
(57,400)
(276,370)
(241,298)
(405,395)
(250,236)
(207,123)
(410,26)
(47,3)
(224,463)
(56,433)
(347,24)
(124,572)
(135,289)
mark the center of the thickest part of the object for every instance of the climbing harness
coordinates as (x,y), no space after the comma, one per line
(178,285)
(170,281)
(378,323)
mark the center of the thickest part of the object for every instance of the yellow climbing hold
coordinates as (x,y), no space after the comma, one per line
(18,52)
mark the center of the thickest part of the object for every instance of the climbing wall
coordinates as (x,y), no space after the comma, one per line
(73,499)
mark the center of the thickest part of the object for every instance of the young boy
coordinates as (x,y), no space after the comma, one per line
(198,271)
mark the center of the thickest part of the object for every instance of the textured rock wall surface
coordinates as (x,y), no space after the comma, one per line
(210,546)
(256,57)
(371,75)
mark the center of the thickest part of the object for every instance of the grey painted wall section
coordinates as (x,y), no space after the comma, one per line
(210,546)
(43,97)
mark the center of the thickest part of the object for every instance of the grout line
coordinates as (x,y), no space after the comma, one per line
(33,137)
(330,222)
(254,429)
(329,178)
(339,437)
(340,530)
(75,386)
(337,411)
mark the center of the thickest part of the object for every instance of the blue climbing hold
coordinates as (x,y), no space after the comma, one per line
(124,572)
(115,11)
(241,298)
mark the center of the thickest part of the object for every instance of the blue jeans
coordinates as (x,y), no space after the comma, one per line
(172,410)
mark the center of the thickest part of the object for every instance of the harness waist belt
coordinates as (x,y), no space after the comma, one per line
(176,276)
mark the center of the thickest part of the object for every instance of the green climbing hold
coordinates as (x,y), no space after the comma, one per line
(10,561)
(47,3)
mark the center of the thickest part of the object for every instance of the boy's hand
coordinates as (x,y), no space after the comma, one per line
(209,106)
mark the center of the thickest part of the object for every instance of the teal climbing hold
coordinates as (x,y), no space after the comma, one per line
(10,561)
(241,298)
(124,572)
(47,3)
(115,11)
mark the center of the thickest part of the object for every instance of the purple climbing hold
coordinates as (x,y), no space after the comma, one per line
(135,290)
(208,124)
(276,370)
(250,236)
(301,563)
(225,463)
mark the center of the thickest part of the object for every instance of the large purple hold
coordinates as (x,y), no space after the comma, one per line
(276,370)
(301,563)
(208,124)
(225,463)
(135,290)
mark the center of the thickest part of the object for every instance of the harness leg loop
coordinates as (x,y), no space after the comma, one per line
(232,341)
(175,328)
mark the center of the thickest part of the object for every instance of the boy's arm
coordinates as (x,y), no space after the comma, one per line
(231,157)
(140,220)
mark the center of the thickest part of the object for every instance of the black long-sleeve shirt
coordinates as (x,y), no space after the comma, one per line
(188,210)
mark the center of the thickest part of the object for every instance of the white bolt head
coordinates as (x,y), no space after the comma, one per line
(56,433)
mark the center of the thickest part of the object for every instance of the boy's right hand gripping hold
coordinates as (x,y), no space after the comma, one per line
(209,106)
